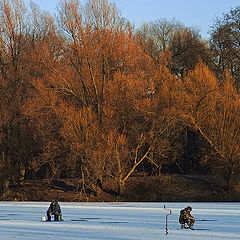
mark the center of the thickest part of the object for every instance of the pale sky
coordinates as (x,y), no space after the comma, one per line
(191,13)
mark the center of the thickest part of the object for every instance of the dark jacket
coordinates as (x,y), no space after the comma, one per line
(54,208)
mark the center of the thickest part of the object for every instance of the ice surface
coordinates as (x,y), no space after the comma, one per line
(118,221)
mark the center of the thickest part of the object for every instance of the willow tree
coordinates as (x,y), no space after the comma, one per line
(213,111)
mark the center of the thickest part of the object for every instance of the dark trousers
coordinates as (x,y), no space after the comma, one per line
(56,216)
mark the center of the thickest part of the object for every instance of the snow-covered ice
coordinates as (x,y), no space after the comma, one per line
(118,221)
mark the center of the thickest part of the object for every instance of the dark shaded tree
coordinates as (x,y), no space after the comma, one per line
(186,48)
(225,44)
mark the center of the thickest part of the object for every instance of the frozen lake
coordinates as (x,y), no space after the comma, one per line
(118,221)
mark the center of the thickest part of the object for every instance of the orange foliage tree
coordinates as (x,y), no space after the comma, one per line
(213,110)
(14,141)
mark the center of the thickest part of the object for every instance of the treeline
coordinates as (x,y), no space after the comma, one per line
(86,95)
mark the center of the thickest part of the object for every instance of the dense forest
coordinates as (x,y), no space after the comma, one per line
(85,95)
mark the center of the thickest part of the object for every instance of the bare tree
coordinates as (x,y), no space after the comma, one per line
(155,37)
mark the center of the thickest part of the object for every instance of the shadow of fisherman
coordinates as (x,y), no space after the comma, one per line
(54,209)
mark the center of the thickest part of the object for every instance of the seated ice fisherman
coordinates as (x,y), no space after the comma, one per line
(186,219)
(54,209)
